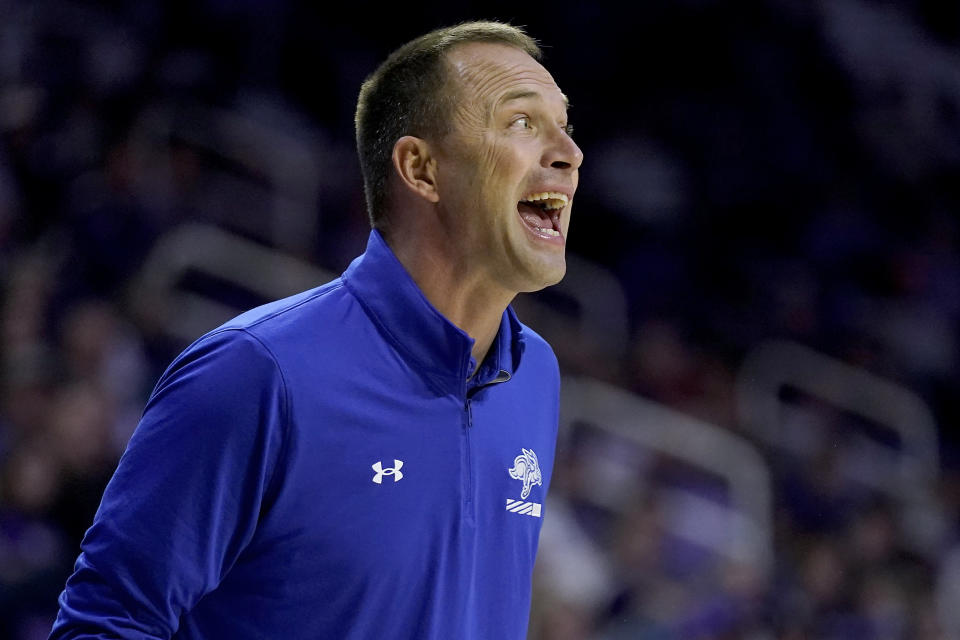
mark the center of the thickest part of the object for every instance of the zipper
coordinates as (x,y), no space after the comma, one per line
(468,480)
(468,463)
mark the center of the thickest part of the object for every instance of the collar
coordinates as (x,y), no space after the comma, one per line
(430,343)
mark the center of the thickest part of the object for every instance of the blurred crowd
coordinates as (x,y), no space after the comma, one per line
(770,169)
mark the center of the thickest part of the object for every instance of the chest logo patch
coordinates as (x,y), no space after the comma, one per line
(526,467)
(389,471)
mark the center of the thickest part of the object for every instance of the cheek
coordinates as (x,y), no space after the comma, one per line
(490,161)
(501,162)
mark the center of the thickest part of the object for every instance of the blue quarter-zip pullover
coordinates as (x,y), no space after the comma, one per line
(322,468)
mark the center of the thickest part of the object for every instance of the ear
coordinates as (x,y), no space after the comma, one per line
(416,167)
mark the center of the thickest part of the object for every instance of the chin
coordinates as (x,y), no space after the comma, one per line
(545,277)
(555,278)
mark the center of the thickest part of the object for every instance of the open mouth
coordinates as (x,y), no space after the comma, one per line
(541,212)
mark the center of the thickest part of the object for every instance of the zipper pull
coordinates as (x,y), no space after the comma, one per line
(469,413)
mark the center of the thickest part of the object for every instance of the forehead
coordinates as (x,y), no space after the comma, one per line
(490,71)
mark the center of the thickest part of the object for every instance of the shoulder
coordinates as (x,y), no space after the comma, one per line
(296,309)
(272,341)
(274,324)
(538,352)
(221,367)
(244,342)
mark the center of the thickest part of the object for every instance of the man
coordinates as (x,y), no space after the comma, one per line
(368,459)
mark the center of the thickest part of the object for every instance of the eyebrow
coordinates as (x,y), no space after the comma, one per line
(520,94)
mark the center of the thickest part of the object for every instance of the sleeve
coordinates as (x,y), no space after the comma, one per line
(186,495)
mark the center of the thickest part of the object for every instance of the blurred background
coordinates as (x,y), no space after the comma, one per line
(758,331)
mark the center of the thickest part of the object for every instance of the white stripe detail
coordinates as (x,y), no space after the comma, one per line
(533,509)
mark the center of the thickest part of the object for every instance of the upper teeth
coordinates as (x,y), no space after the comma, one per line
(548,199)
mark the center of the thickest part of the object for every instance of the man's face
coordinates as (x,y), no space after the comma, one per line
(508,169)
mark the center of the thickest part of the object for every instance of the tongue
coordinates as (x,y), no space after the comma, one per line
(534,216)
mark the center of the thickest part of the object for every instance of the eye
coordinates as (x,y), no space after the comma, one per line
(568,128)
(522,122)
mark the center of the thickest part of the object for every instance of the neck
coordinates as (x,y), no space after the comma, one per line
(466,297)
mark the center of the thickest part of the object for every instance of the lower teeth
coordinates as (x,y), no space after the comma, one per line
(549,232)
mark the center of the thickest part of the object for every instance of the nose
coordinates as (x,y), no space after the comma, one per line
(562,152)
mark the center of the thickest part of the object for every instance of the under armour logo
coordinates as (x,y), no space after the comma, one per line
(389,471)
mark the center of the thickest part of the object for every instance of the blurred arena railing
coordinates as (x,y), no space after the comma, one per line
(160,295)
(907,472)
(744,533)
(271,175)
(584,318)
